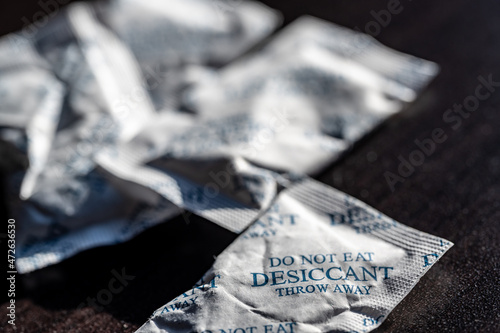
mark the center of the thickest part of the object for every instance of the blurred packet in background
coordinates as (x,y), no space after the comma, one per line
(90,95)
(289,109)
(25,73)
(409,71)
(317,261)
(334,85)
(65,206)
(172,38)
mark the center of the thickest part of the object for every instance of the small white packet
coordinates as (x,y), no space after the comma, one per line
(93,100)
(287,110)
(328,101)
(171,37)
(317,261)
(408,70)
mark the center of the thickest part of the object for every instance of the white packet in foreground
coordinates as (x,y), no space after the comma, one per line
(317,261)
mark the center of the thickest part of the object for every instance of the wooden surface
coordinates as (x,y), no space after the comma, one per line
(454,194)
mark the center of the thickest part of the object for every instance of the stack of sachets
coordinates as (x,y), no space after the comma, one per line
(131,112)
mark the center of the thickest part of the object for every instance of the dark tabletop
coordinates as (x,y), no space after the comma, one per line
(454,193)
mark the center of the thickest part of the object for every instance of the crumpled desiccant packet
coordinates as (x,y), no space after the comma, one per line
(83,91)
(408,70)
(317,261)
(328,92)
(286,110)
(66,206)
(174,40)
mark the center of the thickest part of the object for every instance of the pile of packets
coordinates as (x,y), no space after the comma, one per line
(132,112)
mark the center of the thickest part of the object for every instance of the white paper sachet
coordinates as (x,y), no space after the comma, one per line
(408,70)
(67,206)
(170,37)
(286,110)
(327,100)
(317,261)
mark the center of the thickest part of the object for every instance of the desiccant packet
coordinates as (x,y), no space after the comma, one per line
(173,38)
(90,94)
(408,70)
(276,113)
(331,93)
(317,261)
(65,204)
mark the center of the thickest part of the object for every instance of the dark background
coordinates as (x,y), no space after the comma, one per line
(455,194)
